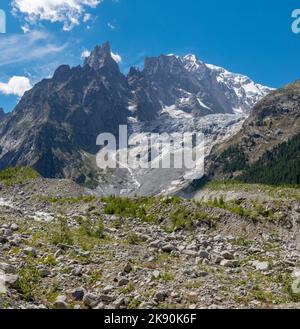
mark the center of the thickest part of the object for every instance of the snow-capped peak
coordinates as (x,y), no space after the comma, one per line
(191,62)
(247,92)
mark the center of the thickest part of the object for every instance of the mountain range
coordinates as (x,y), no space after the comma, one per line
(55,124)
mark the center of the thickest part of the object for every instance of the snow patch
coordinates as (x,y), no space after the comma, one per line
(175,113)
(202,104)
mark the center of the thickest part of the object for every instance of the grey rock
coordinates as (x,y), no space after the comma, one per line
(44,272)
(123,282)
(7,268)
(161,296)
(203,254)
(11,279)
(100,306)
(61,303)
(30,251)
(128,268)
(227,255)
(90,300)
(261,266)
(77,271)
(118,302)
(3,289)
(155,244)
(78,293)
(229,263)
(14,227)
(108,289)
(106,298)
(296,273)
(190,253)
(155,274)
(168,248)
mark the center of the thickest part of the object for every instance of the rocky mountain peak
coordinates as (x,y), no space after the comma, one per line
(192,63)
(162,64)
(62,73)
(101,58)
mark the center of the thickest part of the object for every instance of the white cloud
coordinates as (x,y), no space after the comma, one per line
(68,12)
(116,57)
(15,86)
(86,53)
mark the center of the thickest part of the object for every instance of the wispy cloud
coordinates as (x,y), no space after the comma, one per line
(111,26)
(27,47)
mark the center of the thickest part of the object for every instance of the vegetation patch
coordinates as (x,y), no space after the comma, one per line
(17,175)
(74,200)
(27,284)
(171,212)
(277,167)
(233,160)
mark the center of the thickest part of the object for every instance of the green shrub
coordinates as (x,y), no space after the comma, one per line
(49,260)
(63,234)
(93,229)
(134,239)
(288,288)
(74,200)
(28,282)
(181,219)
(17,175)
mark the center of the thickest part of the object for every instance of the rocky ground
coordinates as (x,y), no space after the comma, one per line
(60,248)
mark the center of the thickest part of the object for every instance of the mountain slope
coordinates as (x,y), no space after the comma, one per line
(266,149)
(55,124)
(279,166)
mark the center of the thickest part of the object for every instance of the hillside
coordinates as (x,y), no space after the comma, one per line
(61,248)
(266,149)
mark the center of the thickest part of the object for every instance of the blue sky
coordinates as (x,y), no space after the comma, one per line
(248,37)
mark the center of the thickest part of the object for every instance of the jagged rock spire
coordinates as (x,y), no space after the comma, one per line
(101,58)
